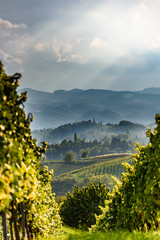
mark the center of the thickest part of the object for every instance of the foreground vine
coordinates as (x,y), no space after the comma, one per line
(26,199)
(134,203)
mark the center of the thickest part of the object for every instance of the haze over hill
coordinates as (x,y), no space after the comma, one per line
(60,107)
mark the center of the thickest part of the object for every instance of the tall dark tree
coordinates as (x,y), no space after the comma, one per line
(75,137)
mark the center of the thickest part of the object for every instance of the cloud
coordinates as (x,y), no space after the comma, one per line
(8,29)
(12,43)
(76,57)
(8,25)
(65,51)
(132,72)
(57,50)
(143,5)
(156,44)
(97,43)
(10,59)
(73,45)
(41,46)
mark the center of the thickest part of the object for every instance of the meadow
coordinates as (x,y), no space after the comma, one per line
(71,234)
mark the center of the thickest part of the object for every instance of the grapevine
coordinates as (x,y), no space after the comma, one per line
(21,177)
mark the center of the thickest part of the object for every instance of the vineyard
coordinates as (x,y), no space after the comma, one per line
(60,167)
(111,165)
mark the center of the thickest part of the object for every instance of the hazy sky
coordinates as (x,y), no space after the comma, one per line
(65,44)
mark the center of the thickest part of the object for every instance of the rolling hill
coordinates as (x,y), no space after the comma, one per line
(94,169)
(60,107)
(91,130)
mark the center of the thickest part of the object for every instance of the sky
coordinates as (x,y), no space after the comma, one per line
(66,44)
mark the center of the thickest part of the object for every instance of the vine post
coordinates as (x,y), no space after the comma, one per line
(4,224)
(23,221)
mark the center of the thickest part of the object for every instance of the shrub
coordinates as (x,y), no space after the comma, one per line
(69,157)
(84,153)
(79,208)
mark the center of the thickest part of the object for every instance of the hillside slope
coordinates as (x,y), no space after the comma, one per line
(90,130)
(93,169)
(60,107)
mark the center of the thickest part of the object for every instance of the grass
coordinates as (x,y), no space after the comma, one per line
(70,234)
(113,236)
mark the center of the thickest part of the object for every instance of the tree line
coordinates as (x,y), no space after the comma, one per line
(91,130)
(81,148)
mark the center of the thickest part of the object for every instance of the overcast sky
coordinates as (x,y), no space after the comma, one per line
(66,44)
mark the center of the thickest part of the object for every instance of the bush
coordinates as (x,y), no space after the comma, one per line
(79,208)
(69,157)
(84,153)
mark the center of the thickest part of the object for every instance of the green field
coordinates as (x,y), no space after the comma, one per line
(93,169)
(109,166)
(60,167)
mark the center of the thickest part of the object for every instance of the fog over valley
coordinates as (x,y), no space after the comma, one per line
(60,107)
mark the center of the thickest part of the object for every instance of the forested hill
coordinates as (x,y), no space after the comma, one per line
(91,130)
(60,107)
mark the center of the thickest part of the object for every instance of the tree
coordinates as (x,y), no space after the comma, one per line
(84,153)
(75,137)
(69,157)
(79,208)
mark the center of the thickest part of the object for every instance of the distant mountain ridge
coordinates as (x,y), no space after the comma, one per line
(152,90)
(60,107)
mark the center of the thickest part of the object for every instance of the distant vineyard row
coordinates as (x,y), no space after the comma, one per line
(112,167)
(96,172)
(60,167)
